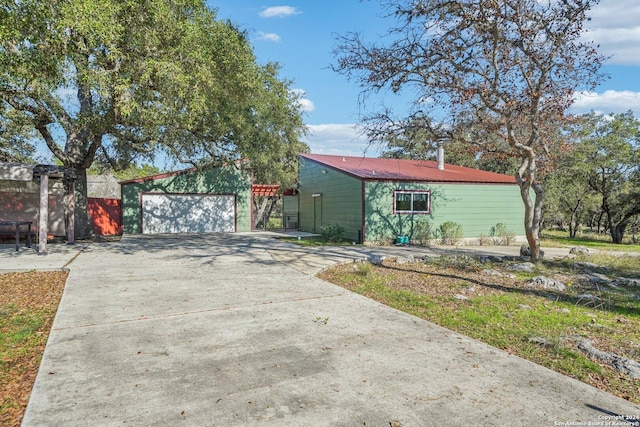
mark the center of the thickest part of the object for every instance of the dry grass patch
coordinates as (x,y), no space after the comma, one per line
(28,303)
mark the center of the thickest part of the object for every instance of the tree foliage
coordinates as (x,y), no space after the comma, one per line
(607,160)
(128,80)
(15,137)
(510,67)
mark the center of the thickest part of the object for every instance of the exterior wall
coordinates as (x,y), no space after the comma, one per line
(209,181)
(106,216)
(290,212)
(20,200)
(477,207)
(340,199)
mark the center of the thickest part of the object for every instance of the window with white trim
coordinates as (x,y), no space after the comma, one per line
(412,202)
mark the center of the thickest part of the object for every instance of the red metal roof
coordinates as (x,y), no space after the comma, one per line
(408,170)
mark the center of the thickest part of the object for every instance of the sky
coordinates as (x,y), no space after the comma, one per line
(302,35)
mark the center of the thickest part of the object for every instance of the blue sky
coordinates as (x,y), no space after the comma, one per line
(301,35)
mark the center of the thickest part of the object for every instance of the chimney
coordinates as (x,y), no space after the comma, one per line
(440,156)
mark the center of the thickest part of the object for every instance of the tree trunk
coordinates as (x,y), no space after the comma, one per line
(573,223)
(83,227)
(532,217)
(617,233)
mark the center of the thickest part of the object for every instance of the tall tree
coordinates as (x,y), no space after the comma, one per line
(511,65)
(130,79)
(607,159)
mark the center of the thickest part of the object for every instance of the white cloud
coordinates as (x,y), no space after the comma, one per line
(270,37)
(305,103)
(610,101)
(339,139)
(279,11)
(614,26)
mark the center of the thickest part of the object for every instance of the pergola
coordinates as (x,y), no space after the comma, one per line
(42,174)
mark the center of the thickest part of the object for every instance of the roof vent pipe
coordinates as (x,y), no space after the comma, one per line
(440,156)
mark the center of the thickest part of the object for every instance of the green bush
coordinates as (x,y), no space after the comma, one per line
(422,232)
(332,233)
(501,235)
(450,232)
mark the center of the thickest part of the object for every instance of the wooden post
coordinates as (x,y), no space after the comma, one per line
(44,214)
(71,213)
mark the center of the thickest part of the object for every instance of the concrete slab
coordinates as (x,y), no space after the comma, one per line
(26,259)
(231,330)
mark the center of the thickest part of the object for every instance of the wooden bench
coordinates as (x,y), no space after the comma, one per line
(17,225)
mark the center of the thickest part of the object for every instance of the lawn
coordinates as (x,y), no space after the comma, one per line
(28,304)
(484,300)
(588,240)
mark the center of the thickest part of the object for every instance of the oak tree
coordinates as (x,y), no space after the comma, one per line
(132,80)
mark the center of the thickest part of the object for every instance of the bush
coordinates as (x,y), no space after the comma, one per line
(501,235)
(484,240)
(450,232)
(422,232)
(332,233)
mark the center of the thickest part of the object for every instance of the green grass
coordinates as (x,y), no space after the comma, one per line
(18,332)
(588,240)
(517,321)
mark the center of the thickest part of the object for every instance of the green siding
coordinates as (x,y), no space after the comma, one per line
(477,207)
(209,181)
(341,198)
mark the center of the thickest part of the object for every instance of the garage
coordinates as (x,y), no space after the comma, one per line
(181,213)
(210,200)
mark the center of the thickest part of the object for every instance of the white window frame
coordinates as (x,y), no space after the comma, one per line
(411,210)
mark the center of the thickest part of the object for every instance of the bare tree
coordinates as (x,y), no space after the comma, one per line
(511,65)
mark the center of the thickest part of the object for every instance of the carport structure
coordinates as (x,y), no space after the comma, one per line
(207,200)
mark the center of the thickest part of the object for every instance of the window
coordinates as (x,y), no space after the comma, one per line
(408,202)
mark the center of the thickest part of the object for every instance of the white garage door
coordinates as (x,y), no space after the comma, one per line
(179,213)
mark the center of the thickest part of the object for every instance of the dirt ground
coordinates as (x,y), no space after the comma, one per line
(30,295)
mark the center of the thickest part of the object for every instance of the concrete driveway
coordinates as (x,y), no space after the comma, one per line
(222,330)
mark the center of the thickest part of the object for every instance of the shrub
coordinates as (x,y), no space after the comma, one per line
(484,240)
(450,232)
(423,232)
(501,235)
(332,233)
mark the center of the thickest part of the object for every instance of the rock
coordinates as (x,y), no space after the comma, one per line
(542,282)
(527,267)
(626,281)
(584,266)
(588,297)
(404,260)
(597,278)
(525,252)
(564,310)
(541,341)
(523,307)
(492,272)
(579,250)
(621,364)
(377,259)
(461,297)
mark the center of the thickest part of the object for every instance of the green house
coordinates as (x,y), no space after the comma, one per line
(190,201)
(379,200)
